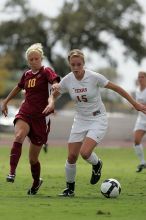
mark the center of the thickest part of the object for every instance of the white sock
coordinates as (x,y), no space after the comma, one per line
(139,152)
(93,159)
(70,170)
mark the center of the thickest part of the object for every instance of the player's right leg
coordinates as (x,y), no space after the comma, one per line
(70,169)
(21,130)
(69,190)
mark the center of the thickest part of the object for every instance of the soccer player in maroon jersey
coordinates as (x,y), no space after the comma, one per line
(30,120)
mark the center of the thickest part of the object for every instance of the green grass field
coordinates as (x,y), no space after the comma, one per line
(89,203)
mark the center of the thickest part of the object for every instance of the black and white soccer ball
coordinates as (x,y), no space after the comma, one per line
(111,188)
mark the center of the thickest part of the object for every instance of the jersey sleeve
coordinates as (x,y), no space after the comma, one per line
(63,85)
(101,80)
(21,83)
(51,75)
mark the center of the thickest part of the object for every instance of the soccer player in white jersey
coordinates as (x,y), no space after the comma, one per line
(90,121)
(140,125)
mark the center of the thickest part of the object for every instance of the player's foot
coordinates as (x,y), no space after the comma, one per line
(10,178)
(69,191)
(45,148)
(140,167)
(96,172)
(34,190)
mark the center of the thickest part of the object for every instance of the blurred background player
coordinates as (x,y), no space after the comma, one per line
(90,121)
(30,121)
(46,145)
(140,125)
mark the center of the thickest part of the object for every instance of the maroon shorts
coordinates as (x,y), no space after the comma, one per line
(39,128)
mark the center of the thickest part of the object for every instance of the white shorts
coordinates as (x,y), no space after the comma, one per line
(94,129)
(140,125)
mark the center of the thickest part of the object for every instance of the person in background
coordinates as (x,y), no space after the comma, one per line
(30,121)
(90,121)
(46,145)
(140,125)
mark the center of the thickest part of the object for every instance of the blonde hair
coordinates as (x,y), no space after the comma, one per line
(76,53)
(35,47)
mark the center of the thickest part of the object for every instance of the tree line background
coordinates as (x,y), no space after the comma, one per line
(79,24)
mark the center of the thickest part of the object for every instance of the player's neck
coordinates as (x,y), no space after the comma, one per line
(142,87)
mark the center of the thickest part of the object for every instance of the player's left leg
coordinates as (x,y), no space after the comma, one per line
(138,147)
(95,133)
(35,166)
(91,157)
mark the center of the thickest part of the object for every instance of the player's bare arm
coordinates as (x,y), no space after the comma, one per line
(138,106)
(51,102)
(11,95)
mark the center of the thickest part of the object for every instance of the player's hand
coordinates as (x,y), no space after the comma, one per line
(140,107)
(4,109)
(49,108)
(55,87)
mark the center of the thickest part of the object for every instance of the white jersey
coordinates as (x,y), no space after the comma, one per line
(85,93)
(141,119)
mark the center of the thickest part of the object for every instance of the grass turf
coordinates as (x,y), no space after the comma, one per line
(89,203)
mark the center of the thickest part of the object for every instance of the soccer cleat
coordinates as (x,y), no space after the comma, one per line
(140,167)
(10,178)
(45,148)
(96,172)
(69,191)
(34,190)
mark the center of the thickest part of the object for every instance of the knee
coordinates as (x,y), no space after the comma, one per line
(85,154)
(72,158)
(32,161)
(137,141)
(19,137)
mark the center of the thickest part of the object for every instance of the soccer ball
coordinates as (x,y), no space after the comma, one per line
(110,188)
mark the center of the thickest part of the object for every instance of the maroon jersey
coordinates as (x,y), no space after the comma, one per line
(37,90)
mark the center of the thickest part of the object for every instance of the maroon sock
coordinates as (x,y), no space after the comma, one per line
(35,171)
(15,156)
